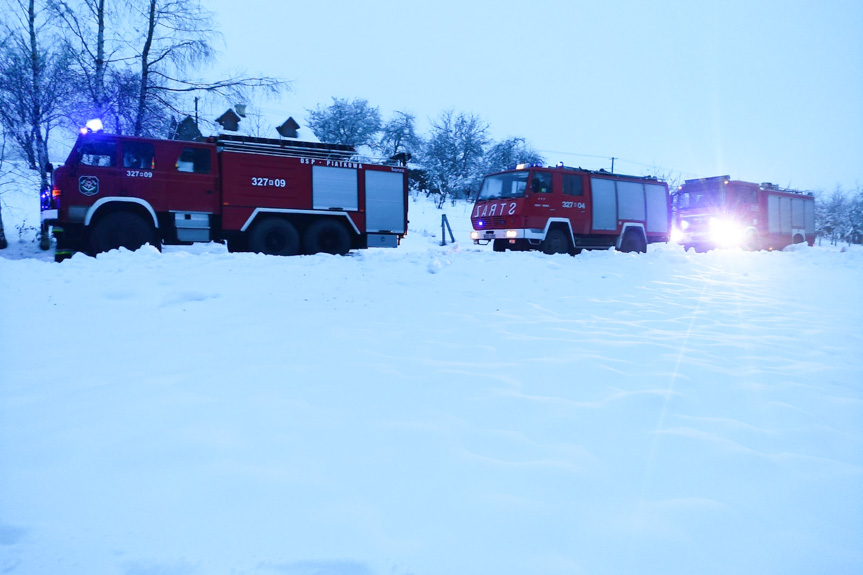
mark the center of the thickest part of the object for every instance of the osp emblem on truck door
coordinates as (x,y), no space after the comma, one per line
(88,185)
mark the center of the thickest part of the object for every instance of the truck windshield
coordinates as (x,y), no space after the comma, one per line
(509,185)
(701,199)
(98,153)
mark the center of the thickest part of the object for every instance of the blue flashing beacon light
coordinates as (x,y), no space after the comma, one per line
(94,125)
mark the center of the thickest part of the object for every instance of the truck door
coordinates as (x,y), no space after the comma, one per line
(137,173)
(97,173)
(540,206)
(573,204)
(192,179)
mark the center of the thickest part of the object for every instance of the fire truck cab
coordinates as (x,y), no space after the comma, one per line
(566,210)
(720,212)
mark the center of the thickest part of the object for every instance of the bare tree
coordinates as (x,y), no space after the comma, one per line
(509,153)
(33,87)
(353,122)
(453,154)
(177,36)
(856,216)
(96,53)
(135,60)
(32,90)
(833,217)
(3,243)
(399,136)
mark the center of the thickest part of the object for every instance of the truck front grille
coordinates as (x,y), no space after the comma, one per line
(489,223)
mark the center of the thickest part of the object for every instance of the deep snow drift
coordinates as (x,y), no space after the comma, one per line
(431,410)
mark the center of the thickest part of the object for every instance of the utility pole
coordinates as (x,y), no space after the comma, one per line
(196,114)
(612,164)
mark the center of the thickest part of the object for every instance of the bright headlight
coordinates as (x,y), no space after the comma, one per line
(725,232)
(677,236)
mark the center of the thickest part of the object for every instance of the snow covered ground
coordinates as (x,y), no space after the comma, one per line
(429,410)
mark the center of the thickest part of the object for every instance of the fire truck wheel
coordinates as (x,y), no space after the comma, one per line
(555,242)
(633,242)
(237,245)
(121,229)
(275,236)
(328,236)
(499,245)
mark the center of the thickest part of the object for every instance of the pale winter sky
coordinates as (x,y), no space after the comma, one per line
(762,90)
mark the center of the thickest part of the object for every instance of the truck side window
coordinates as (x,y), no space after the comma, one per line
(572,185)
(139,155)
(541,183)
(102,154)
(194,160)
(746,196)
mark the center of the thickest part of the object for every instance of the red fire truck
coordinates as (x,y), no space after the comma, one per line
(565,210)
(282,197)
(721,212)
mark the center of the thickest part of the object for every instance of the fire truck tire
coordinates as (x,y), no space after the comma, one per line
(237,245)
(276,237)
(555,242)
(121,229)
(328,236)
(499,245)
(633,242)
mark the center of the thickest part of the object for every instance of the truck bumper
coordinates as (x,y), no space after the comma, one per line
(484,236)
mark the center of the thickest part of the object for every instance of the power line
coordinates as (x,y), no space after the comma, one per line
(613,159)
